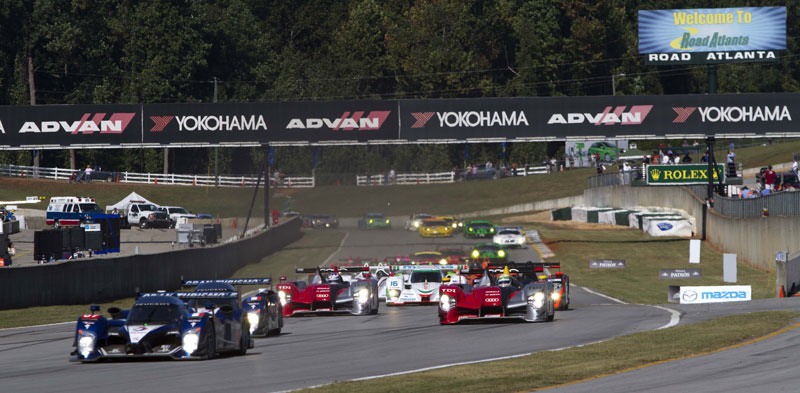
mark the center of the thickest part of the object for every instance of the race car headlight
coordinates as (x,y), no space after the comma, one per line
(86,345)
(190,342)
(416,225)
(283,298)
(363,295)
(501,254)
(555,296)
(443,261)
(371,221)
(393,293)
(536,300)
(446,303)
(252,319)
(491,230)
(476,254)
(454,225)
(387,220)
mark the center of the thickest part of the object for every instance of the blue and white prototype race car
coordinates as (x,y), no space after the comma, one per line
(416,284)
(173,325)
(262,307)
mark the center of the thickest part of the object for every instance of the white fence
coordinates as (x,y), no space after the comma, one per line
(432,178)
(153,178)
(238,181)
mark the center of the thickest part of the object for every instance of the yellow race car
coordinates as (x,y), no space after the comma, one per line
(434,227)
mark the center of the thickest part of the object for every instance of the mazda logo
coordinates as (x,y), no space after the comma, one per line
(689,296)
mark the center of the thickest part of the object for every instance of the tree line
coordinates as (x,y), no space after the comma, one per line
(177,51)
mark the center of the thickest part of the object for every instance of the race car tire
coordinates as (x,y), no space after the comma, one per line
(56,224)
(244,342)
(551,317)
(374,311)
(211,344)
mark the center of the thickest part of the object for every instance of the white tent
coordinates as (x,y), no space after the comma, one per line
(132,197)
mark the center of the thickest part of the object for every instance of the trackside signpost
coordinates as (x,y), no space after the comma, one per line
(606,264)
(672,274)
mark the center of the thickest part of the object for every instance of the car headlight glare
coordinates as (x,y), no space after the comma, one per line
(370,221)
(476,254)
(446,303)
(491,230)
(443,261)
(252,320)
(190,342)
(282,297)
(536,300)
(86,345)
(555,296)
(501,254)
(387,220)
(363,295)
(393,293)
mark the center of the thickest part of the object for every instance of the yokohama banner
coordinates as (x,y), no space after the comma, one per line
(403,121)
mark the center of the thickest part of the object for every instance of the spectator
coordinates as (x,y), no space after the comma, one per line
(731,163)
(744,193)
(488,164)
(769,178)
(392,176)
(677,159)
(88,173)
(687,159)
(794,166)
(704,159)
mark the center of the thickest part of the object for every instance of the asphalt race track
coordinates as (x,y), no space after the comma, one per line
(317,350)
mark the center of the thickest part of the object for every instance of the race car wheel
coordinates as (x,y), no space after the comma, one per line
(551,317)
(244,341)
(211,344)
(56,224)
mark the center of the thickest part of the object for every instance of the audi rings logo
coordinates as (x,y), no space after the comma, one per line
(689,296)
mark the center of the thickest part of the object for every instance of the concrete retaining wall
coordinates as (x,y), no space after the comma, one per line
(754,240)
(84,281)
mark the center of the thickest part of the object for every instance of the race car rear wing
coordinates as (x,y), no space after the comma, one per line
(232,281)
(320,270)
(192,295)
(426,267)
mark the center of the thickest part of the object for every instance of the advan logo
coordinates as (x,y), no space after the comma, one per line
(733,114)
(468,119)
(210,123)
(88,124)
(608,117)
(349,121)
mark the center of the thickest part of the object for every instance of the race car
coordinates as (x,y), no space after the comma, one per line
(433,227)
(560,285)
(428,257)
(174,325)
(454,255)
(327,292)
(509,237)
(478,229)
(458,225)
(264,314)
(415,220)
(510,292)
(489,252)
(320,221)
(415,284)
(374,221)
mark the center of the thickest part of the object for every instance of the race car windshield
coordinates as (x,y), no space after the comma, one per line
(481,225)
(426,276)
(434,223)
(508,232)
(156,314)
(201,303)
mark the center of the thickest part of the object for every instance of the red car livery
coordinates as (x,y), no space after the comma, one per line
(328,292)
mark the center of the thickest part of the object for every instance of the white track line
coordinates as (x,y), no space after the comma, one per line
(35,326)
(341,244)
(600,294)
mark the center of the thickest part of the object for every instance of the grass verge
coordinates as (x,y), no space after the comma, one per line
(581,363)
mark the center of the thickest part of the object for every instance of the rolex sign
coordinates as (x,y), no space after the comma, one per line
(658,175)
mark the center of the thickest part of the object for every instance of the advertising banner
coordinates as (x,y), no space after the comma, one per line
(715,294)
(672,274)
(583,153)
(256,123)
(712,35)
(70,125)
(606,264)
(682,174)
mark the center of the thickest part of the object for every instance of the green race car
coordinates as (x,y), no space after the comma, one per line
(374,221)
(478,229)
(495,253)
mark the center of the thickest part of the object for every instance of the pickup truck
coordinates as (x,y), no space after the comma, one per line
(147,215)
(176,213)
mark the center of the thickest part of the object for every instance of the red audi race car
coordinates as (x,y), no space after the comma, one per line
(512,291)
(326,291)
